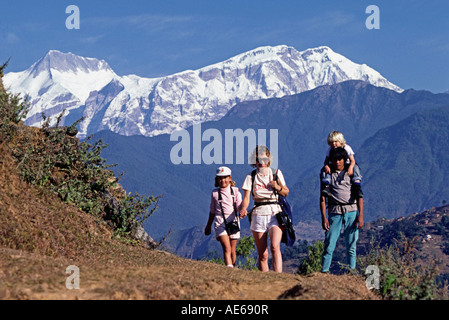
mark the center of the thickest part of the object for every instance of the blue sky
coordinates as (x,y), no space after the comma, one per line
(154,38)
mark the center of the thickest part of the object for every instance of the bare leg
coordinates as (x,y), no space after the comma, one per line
(262,250)
(233,251)
(228,245)
(276,237)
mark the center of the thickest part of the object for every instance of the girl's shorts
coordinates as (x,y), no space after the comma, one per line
(220,229)
(263,223)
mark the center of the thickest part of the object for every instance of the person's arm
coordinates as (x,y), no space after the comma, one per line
(208,228)
(212,210)
(238,200)
(245,204)
(360,215)
(327,168)
(280,187)
(282,190)
(324,221)
(351,165)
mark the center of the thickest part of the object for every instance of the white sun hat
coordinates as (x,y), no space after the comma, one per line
(223,172)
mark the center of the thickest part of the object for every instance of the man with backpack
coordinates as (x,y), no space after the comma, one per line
(345,208)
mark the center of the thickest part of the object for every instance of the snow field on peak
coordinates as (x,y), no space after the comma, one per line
(131,104)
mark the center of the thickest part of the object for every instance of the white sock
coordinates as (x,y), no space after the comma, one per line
(230,266)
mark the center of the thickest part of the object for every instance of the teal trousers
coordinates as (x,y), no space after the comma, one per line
(351,234)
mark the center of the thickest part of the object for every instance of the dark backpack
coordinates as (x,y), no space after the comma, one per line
(285,217)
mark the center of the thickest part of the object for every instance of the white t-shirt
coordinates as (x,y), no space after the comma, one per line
(348,150)
(264,192)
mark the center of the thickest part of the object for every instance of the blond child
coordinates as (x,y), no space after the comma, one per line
(336,139)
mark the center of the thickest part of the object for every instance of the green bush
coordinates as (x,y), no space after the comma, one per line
(79,175)
(402,277)
(13,108)
(134,210)
(312,263)
(245,249)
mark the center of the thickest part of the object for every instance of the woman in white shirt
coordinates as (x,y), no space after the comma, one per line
(263,216)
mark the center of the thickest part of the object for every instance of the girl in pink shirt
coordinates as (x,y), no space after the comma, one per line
(224,207)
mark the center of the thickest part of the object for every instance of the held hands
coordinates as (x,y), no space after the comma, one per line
(243,213)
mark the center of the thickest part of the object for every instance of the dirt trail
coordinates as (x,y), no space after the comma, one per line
(136,273)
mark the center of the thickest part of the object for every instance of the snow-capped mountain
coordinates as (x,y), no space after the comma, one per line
(59,81)
(132,105)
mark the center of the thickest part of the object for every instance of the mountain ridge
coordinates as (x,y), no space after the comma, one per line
(60,61)
(150,107)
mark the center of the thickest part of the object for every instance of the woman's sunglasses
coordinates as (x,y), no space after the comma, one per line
(260,160)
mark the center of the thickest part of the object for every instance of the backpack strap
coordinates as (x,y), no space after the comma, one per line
(220,200)
(275,178)
(253,177)
(234,202)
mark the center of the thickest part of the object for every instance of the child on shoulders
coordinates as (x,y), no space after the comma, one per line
(336,139)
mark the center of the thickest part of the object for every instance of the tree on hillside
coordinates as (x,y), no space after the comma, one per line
(13,109)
